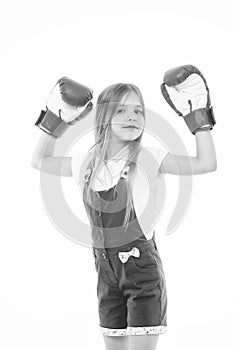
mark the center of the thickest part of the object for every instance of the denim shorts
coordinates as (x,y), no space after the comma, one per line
(132,297)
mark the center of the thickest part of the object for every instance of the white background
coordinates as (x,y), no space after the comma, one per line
(48,283)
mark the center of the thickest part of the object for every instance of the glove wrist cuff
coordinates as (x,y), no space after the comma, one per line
(82,115)
(51,124)
(202,118)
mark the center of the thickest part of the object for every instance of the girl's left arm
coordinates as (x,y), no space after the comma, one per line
(204,162)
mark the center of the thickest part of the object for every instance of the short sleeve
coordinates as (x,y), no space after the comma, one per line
(159,154)
(79,164)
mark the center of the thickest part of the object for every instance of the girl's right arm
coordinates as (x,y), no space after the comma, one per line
(44,160)
(68,100)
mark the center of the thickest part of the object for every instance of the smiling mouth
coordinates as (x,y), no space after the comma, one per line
(131,126)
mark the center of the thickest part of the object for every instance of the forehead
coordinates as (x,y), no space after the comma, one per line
(131,98)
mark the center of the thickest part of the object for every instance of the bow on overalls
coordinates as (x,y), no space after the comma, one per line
(124,256)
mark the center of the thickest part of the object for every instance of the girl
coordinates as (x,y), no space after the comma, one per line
(131,288)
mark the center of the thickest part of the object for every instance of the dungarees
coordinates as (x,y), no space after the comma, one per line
(131,287)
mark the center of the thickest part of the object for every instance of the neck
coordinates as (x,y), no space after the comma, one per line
(115,148)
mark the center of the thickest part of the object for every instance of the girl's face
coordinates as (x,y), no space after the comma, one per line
(128,113)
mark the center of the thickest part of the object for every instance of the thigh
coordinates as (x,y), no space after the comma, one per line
(112,306)
(143,342)
(116,342)
(147,298)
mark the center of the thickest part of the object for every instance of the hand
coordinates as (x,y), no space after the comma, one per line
(67,103)
(186,91)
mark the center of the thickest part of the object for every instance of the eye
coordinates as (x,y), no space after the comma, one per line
(120,110)
(138,111)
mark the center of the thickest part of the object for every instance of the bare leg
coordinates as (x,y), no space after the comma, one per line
(116,342)
(144,342)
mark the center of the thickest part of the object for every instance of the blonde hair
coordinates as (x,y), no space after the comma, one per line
(107,103)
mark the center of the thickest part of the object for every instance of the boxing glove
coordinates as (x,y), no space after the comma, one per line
(67,103)
(185,90)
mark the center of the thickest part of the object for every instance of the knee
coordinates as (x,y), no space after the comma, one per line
(116,342)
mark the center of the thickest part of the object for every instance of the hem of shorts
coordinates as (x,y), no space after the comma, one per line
(133,330)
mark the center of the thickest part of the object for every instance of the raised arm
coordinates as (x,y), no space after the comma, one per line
(205,160)
(68,103)
(44,160)
(185,90)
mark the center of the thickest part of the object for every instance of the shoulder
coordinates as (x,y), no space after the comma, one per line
(157,153)
(150,159)
(79,163)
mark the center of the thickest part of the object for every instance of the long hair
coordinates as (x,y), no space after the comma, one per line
(107,103)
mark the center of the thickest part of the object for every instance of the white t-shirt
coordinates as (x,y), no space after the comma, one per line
(109,174)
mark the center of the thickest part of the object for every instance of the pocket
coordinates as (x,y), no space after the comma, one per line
(157,258)
(95,260)
(96,264)
(146,262)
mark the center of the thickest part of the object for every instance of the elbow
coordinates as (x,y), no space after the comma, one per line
(35,165)
(214,168)
(211,167)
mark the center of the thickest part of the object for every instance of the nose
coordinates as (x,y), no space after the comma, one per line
(132,116)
